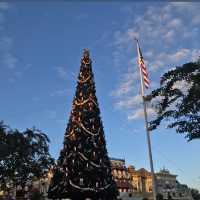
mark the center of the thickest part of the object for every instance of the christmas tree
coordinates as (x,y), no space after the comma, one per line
(83,169)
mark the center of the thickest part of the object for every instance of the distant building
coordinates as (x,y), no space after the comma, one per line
(166,182)
(121,175)
(167,185)
(137,184)
(132,184)
(140,179)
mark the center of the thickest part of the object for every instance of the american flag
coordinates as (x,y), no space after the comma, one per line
(142,67)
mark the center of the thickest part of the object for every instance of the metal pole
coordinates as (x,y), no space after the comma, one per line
(147,131)
(149,149)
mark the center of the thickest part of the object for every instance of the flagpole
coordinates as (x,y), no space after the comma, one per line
(147,130)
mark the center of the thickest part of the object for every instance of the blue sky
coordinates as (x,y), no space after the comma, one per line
(40,49)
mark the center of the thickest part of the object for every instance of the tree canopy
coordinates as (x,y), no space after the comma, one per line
(177,100)
(195,194)
(23,154)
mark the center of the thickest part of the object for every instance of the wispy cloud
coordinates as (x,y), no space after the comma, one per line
(168,33)
(62,72)
(182,86)
(126,83)
(129,102)
(82,16)
(139,113)
(160,25)
(4,5)
(196,20)
(178,57)
(60,93)
(8,59)
(51,114)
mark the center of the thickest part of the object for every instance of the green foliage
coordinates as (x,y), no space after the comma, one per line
(3,145)
(23,154)
(178,100)
(195,194)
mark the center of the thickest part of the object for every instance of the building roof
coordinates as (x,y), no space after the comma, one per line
(165,172)
(119,167)
(117,159)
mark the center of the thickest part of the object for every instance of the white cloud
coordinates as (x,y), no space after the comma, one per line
(195,54)
(62,73)
(4,5)
(11,80)
(167,37)
(126,84)
(82,16)
(124,88)
(131,33)
(149,53)
(175,23)
(129,102)
(139,114)
(160,25)
(196,19)
(182,85)
(51,114)
(14,76)
(178,57)
(120,39)
(184,7)
(9,60)
(60,93)
(155,65)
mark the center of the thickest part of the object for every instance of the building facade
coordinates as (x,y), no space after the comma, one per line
(138,183)
(168,186)
(141,180)
(121,175)
(133,184)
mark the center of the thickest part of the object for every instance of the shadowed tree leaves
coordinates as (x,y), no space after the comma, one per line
(3,145)
(23,154)
(195,194)
(178,100)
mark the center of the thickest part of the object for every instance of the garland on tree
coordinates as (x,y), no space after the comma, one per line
(83,169)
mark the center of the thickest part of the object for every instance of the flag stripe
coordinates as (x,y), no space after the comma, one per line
(143,68)
(146,82)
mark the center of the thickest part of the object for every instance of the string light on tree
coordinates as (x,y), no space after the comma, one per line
(84,169)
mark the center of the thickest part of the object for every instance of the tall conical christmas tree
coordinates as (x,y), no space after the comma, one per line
(83,169)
